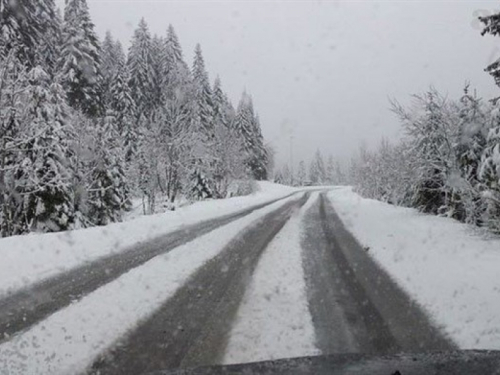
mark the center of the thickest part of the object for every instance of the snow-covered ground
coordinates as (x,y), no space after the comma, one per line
(451,269)
(31,258)
(70,339)
(273,320)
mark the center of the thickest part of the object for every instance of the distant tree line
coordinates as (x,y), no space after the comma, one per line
(85,126)
(317,172)
(448,162)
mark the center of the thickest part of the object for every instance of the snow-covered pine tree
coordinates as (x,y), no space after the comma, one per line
(123,106)
(178,134)
(340,176)
(141,70)
(42,173)
(221,127)
(173,48)
(20,29)
(313,173)
(301,173)
(318,169)
(149,160)
(32,30)
(109,192)
(287,175)
(492,27)
(202,96)
(220,115)
(430,127)
(228,148)
(159,66)
(176,76)
(469,147)
(243,123)
(48,47)
(177,85)
(248,126)
(13,84)
(79,63)
(112,59)
(49,41)
(331,177)
(489,173)
(260,161)
(202,184)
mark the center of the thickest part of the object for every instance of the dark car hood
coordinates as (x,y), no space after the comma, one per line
(466,362)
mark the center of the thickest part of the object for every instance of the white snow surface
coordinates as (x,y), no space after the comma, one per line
(451,269)
(273,320)
(31,258)
(69,340)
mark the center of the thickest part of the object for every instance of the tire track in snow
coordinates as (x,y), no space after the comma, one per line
(356,305)
(24,308)
(70,339)
(273,320)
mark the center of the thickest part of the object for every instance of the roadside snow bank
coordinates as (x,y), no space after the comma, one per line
(69,340)
(273,320)
(31,258)
(452,271)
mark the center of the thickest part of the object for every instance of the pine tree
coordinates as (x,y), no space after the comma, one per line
(50,37)
(331,177)
(112,60)
(287,175)
(42,175)
(159,64)
(469,148)
(302,174)
(340,175)
(492,27)
(177,85)
(248,126)
(141,70)
(80,63)
(20,29)
(203,96)
(176,72)
(261,159)
(228,147)
(431,128)
(489,173)
(220,106)
(122,105)
(13,84)
(317,171)
(178,136)
(202,183)
(313,172)
(108,191)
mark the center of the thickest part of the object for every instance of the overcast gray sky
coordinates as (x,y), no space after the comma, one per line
(323,69)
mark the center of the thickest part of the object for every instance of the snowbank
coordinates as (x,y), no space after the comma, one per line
(273,320)
(70,340)
(31,258)
(448,267)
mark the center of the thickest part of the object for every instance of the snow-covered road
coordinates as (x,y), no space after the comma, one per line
(274,279)
(73,337)
(449,268)
(273,320)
